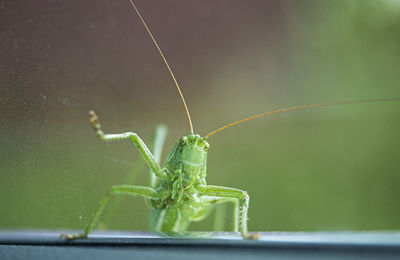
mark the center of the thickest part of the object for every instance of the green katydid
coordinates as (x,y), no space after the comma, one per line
(178,193)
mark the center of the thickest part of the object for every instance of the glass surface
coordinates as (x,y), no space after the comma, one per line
(334,168)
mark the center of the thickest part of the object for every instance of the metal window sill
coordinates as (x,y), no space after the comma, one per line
(225,245)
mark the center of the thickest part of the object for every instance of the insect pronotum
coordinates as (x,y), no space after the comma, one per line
(178,193)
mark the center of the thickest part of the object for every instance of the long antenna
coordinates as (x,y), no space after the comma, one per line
(301,108)
(166,64)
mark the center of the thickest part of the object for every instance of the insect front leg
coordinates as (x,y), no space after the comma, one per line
(146,192)
(141,146)
(241,207)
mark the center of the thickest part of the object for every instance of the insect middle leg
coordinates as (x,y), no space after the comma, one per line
(241,207)
(146,192)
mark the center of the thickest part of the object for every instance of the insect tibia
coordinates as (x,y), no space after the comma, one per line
(94,120)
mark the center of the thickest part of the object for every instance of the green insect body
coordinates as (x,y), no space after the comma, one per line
(178,193)
(180,203)
(184,194)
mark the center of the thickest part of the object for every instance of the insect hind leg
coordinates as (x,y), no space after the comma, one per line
(146,192)
(159,140)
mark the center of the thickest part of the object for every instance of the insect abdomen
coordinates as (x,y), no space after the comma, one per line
(168,220)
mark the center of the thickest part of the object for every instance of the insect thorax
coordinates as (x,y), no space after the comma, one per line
(188,160)
(186,168)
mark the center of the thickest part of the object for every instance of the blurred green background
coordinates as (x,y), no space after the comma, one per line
(334,168)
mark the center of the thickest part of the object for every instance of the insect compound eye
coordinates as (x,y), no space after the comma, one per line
(206,146)
(184,140)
